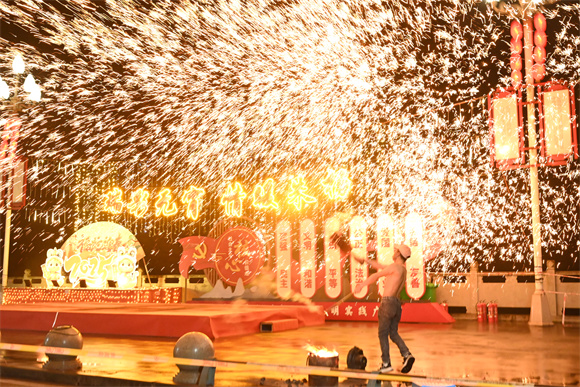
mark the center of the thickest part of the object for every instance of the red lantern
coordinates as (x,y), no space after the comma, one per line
(516,77)
(538,71)
(539,54)
(516,30)
(516,46)
(516,62)
(540,38)
(540,22)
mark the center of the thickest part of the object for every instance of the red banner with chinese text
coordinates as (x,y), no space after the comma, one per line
(307,258)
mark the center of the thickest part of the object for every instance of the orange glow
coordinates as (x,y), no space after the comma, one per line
(193,198)
(164,204)
(139,203)
(263,195)
(516,77)
(516,30)
(320,351)
(538,71)
(540,22)
(540,38)
(337,184)
(516,62)
(232,200)
(113,201)
(539,55)
(298,194)
(516,46)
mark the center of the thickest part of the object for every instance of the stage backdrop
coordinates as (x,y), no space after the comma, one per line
(95,254)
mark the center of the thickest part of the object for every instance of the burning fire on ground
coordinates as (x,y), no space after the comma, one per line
(320,351)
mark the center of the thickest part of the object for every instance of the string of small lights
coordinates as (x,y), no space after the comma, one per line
(155,295)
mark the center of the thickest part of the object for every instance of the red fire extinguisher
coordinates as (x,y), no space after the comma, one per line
(481,311)
(492,312)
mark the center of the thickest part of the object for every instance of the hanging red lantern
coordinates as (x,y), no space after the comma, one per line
(516,62)
(540,22)
(516,78)
(539,55)
(538,71)
(540,38)
(516,46)
(516,30)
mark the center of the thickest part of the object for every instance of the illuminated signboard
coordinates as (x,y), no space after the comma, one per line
(192,198)
(415,284)
(358,240)
(283,259)
(113,201)
(139,203)
(164,204)
(385,244)
(96,253)
(332,265)
(307,258)
(239,255)
(337,184)
(263,195)
(298,194)
(232,200)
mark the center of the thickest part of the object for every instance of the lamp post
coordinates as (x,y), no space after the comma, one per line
(14,103)
(524,9)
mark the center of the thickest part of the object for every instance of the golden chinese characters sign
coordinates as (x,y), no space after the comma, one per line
(97,253)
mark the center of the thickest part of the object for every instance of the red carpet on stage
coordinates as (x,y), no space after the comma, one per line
(425,312)
(164,320)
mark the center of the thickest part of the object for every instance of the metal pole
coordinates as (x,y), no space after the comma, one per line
(540,310)
(6,249)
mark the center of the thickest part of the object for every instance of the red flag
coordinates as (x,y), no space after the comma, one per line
(198,252)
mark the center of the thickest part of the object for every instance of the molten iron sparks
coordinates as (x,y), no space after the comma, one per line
(320,351)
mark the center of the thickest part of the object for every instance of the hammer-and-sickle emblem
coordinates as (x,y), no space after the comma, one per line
(199,251)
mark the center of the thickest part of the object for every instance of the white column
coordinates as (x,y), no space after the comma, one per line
(6,248)
(540,312)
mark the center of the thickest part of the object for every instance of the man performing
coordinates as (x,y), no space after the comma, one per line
(390,309)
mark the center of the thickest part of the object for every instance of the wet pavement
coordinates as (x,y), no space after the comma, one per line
(506,352)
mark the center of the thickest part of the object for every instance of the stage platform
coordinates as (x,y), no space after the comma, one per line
(216,320)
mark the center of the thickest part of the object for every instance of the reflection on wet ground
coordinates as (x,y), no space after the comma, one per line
(507,351)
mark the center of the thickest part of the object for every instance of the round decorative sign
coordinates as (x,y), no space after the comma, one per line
(239,255)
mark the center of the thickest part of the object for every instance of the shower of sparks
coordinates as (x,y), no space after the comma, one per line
(209,92)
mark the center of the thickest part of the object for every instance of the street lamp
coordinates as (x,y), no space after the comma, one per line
(14,103)
(534,69)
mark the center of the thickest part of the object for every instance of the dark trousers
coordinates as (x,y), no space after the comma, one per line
(389,318)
